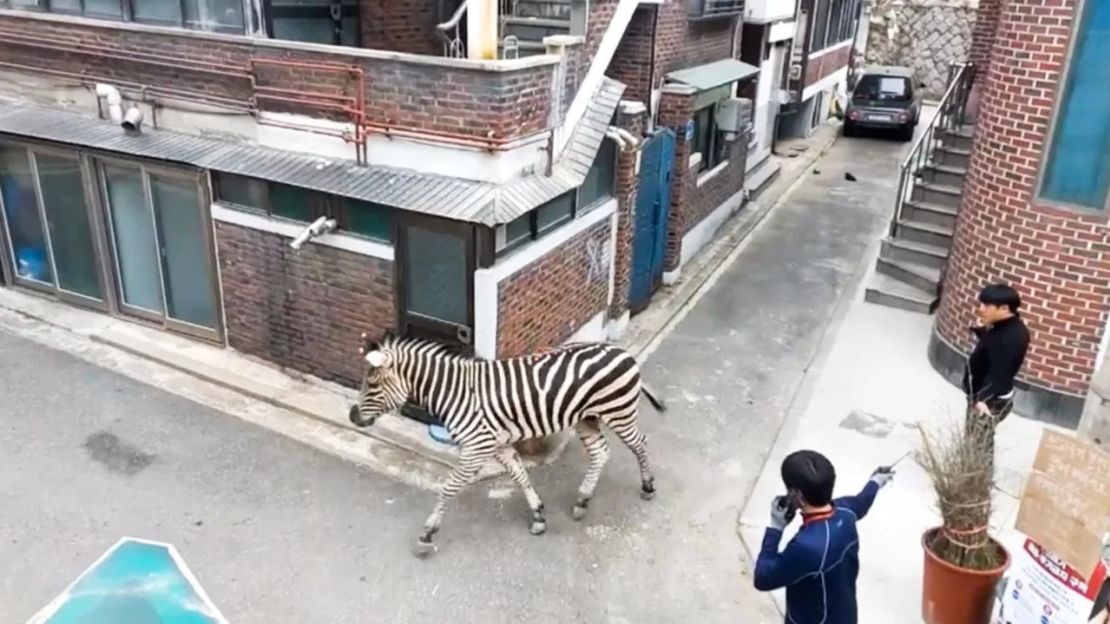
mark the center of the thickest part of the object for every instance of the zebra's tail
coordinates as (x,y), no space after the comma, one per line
(655,401)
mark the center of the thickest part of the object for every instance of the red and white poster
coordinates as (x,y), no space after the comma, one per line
(1040,588)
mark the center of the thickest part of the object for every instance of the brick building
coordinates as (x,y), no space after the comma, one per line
(819,62)
(279,177)
(1020,196)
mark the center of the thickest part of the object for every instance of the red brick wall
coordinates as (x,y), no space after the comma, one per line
(679,44)
(1058,260)
(674,111)
(304,310)
(627,188)
(827,64)
(982,34)
(544,303)
(400,94)
(704,199)
(402,25)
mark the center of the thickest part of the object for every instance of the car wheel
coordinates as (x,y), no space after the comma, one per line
(849,129)
(906,132)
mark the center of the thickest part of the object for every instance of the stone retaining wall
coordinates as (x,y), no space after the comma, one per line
(926,35)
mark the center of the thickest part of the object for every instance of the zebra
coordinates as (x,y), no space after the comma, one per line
(487,405)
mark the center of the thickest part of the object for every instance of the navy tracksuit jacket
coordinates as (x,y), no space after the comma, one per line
(819,566)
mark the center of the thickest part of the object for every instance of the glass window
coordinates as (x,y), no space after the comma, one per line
(213,15)
(517,231)
(820,24)
(104,8)
(65,6)
(21,210)
(291,202)
(246,192)
(879,88)
(602,177)
(137,257)
(369,220)
(436,275)
(1077,165)
(555,212)
(167,12)
(707,139)
(67,217)
(189,290)
(26,4)
(311,21)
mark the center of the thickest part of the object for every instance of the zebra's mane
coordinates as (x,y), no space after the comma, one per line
(408,344)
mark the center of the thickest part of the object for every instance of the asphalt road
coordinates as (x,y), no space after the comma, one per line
(278,532)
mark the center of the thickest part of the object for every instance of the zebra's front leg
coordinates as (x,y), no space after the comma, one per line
(511,460)
(470,460)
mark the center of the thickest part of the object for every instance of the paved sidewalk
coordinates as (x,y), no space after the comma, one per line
(863,397)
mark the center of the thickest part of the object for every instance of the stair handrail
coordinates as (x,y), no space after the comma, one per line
(949,116)
(452,44)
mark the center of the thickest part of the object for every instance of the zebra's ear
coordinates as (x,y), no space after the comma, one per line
(377,359)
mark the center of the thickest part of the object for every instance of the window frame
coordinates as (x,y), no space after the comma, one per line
(31,150)
(714,155)
(127,14)
(320,205)
(1050,136)
(611,191)
(348,8)
(502,246)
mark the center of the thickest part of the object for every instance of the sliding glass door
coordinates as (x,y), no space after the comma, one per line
(161,247)
(48,224)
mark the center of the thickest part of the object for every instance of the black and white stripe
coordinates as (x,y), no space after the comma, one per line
(489,405)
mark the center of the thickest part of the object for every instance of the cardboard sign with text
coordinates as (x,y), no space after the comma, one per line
(1066,504)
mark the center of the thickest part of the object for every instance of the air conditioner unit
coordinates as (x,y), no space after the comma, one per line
(733,116)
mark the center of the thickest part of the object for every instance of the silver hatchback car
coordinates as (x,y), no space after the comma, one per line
(885,97)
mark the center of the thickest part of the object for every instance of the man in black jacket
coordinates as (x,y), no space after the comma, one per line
(1002,341)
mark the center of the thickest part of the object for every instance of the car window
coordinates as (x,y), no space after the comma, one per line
(884,88)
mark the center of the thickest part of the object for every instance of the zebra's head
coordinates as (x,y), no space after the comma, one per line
(383,389)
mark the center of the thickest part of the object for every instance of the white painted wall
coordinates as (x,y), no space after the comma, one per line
(288,229)
(486,281)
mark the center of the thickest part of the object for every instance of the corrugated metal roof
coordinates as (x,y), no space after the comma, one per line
(715,74)
(444,196)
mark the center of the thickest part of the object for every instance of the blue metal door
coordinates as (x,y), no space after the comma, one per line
(649,222)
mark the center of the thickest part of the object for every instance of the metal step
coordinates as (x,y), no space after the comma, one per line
(927,212)
(926,233)
(941,194)
(952,156)
(944,174)
(960,139)
(887,291)
(535,28)
(917,253)
(924,278)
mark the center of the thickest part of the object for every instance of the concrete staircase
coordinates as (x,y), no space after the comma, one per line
(912,259)
(523,29)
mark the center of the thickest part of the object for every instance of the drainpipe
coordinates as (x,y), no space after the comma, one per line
(481,29)
(115,101)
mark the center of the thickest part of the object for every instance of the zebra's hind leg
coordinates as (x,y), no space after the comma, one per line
(511,460)
(589,432)
(629,432)
(470,460)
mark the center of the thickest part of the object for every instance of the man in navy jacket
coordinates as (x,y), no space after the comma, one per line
(819,566)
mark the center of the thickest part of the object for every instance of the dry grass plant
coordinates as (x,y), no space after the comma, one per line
(959,460)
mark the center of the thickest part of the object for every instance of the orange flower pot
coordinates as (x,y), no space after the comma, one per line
(954,595)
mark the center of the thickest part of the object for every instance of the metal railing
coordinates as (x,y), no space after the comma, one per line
(949,116)
(450,32)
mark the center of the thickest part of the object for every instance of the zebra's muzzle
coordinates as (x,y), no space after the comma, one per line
(357,419)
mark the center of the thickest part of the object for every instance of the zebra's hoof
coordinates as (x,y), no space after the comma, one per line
(537,528)
(579,512)
(647,494)
(423,548)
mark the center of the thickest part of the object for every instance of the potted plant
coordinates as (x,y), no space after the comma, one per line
(963,563)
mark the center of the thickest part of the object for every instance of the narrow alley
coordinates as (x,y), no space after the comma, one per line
(278,532)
